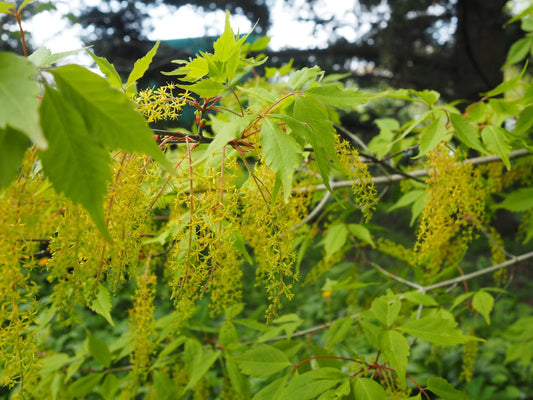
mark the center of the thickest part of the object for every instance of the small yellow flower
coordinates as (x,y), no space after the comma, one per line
(326,294)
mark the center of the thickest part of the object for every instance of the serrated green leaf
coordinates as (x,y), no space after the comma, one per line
(205,88)
(304,76)
(109,115)
(507,85)
(75,163)
(496,139)
(442,388)
(85,385)
(25,3)
(239,382)
(197,361)
(432,134)
(372,332)
(224,46)
(335,239)
(518,200)
(368,389)
(429,97)
(192,70)
(518,51)
(13,146)
(395,351)
(226,129)
(282,153)
(459,299)
(417,297)
(43,57)
(99,350)
(483,302)
(361,232)
(408,198)
(466,132)
(262,361)
(141,65)
(109,386)
(339,330)
(312,383)
(435,329)
(107,69)
(386,309)
(524,121)
(311,121)
(337,96)
(19,102)
(6,8)
(272,390)
(102,304)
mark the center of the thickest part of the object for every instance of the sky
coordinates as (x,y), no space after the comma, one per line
(56,33)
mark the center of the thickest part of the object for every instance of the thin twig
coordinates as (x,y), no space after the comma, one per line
(419,172)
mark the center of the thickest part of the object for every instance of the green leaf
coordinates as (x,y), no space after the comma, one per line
(496,139)
(386,309)
(337,96)
(339,330)
(109,386)
(483,302)
(524,121)
(192,70)
(141,66)
(335,239)
(432,134)
(205,88)
(361,232)
(197,361)
(406,199)
(84,386)
(435,329)
(102,304)
(518,51)
(282,153)
(262,361)
(99,350)
(19,102)
(25,3)
(75,163)
(109,114)
(312,383)
(43,57)
(107,69)
(311,121)
(507,85)
(429,97)
(239,382)
(271,391)
(442,388)
(417,297)
(7,8)
(13,146)
(518,200)
(303,76)
(395,350)
(224,46)
(372,332)
(226,129)
(466,132)
(368,389)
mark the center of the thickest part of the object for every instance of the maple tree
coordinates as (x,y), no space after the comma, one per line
(206,235)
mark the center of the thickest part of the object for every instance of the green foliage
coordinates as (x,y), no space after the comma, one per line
(258,254)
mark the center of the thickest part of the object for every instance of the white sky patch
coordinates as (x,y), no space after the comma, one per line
(189,21)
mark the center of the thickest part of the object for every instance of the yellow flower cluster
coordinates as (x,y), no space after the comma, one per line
(455,206)
(161,103)
(364,191)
